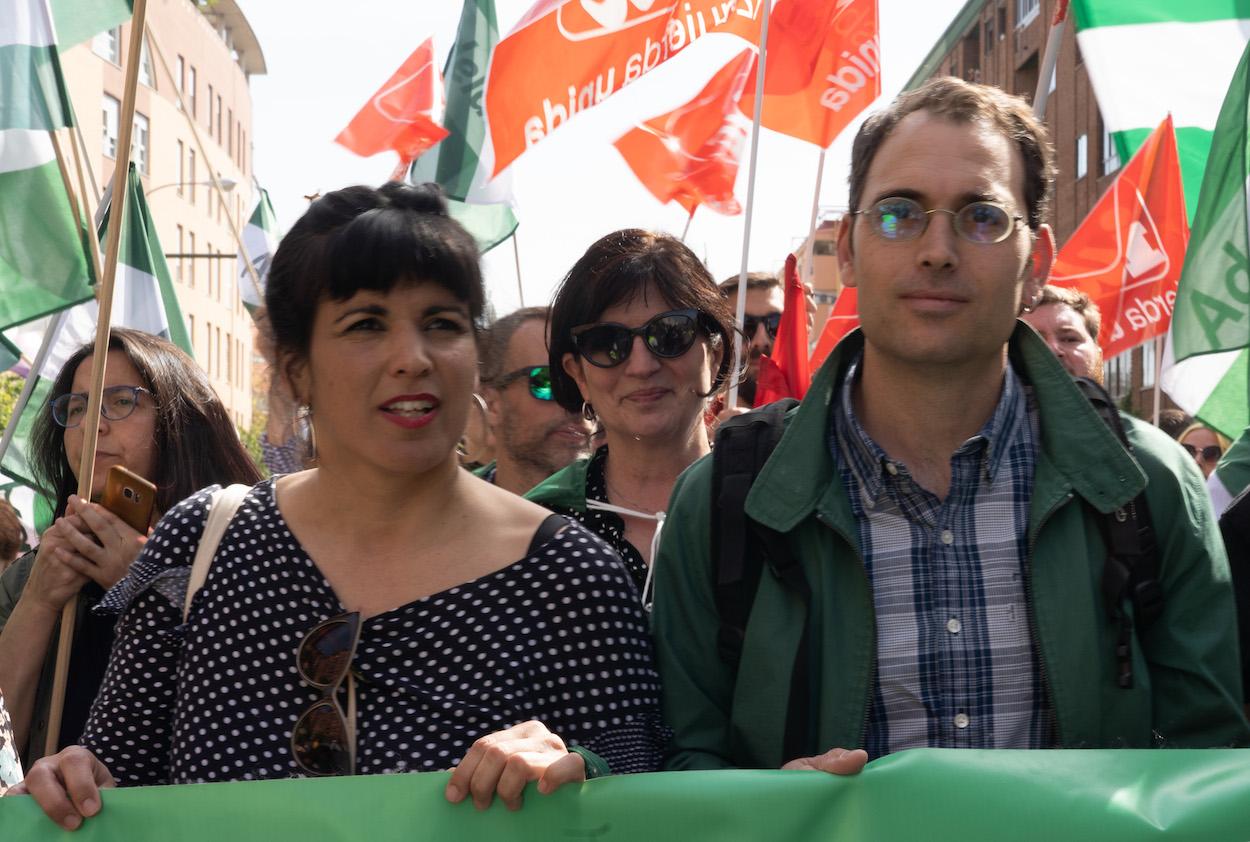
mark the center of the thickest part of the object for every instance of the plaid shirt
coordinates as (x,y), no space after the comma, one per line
(957,665)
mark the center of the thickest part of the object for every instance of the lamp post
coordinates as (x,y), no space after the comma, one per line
(227,184)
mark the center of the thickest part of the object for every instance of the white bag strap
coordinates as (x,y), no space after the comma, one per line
(221,508)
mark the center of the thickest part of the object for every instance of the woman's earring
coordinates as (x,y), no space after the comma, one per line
(588,413)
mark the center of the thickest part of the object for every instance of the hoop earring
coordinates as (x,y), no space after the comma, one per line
(588,413)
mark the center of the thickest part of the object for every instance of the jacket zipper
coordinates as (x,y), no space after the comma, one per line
(1033,627)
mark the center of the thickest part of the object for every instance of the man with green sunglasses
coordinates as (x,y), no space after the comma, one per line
(534,436)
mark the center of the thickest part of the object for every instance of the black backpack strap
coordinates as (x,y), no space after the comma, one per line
(740,546)
(1131,571)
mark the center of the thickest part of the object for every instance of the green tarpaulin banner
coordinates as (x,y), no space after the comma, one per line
(930,794)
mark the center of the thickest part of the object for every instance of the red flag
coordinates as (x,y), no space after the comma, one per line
(690,155)
(401,115)
(786,373)
(843,319)
(815,86)
(1127,253)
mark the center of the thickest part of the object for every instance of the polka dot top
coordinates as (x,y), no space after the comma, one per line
(607,525)
(557,636)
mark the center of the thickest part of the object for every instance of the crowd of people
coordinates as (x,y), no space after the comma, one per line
(502,550)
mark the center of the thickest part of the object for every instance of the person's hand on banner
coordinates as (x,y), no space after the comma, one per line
(67,785)
(835,761)
(504,762)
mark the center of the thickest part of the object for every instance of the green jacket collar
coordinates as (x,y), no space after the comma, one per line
(565,488)
(1078,451)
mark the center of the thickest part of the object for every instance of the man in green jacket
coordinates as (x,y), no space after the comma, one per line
(944,487)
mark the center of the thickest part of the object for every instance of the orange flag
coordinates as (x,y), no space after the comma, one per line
(815,86)
(402,115)
(842,320)
(690,155)
(1127,253)
(566,56)
(786,373)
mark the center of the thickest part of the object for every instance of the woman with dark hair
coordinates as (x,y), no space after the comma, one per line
(637,339)
(384,610)
(161,419)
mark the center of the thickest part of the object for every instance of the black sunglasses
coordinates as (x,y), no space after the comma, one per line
(770,321)
(666,335)
(1210,453)
(324,739)
(539,381)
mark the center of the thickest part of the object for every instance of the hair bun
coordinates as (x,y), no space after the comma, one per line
(422,198)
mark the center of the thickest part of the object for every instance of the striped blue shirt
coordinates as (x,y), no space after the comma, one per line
(956,665)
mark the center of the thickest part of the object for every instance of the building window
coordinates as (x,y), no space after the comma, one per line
(112,120)
(193,85)
(230,132)
(1149,362)
(191,330)
(210,109)
(139,144)
(218,119)
(145,66)
(191,174)
(229,359)
(1082,156)
(1117,376)
(191,251)
(1026,10)
(182,168)
(182,74)
(182,243)
(108,45)
(1110,154)
(208,250)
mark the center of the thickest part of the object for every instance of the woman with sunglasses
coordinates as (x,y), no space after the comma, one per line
(161,419)
(1204,445)
(384,610)
(637,340)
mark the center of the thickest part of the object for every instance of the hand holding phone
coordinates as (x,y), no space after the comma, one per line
(130,497)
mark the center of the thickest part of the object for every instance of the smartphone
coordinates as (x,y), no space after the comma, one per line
(130,497)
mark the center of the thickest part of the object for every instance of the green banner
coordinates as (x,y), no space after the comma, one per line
(930,794)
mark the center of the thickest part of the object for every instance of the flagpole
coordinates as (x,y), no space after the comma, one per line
(740,315)
(91,429)
(93,242)
(28,388)
(809,269)
(516,254)
(235,229)
(1050,58)
(82,144)
(1158,382)
(689,220)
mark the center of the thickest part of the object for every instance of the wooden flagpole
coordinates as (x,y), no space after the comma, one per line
(91,426)
(516,254)
(1050,58)
(740,315)
(809,267)
(234,224)
(85,220)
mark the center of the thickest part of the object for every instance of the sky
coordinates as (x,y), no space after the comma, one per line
(326,58)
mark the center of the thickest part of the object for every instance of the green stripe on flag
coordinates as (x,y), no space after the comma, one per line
(78,20)
(43,267)
(1226,408)
(32,89)
(1192,146)
(1094,13)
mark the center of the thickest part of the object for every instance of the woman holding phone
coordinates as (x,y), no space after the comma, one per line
(637,340)
(383,611)
(161,419)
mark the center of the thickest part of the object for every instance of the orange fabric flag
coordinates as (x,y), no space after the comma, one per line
(1127,253)
(785,373)
(566,56)
(690,155)
(814,87)
(402,115)
(843,320)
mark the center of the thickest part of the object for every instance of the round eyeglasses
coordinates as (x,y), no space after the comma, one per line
(899,219)
(539,378)
(117,404)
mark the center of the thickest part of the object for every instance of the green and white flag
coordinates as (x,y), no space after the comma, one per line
(461,164)
(143,299)
(43,261)
(78,20)
(260,241)
(1206,372)
(1149,58)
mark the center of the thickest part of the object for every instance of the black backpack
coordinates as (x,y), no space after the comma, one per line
(741,547)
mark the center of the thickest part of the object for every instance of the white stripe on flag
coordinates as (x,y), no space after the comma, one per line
(27,22)
(24,149)
(1140,71)
(1191,382)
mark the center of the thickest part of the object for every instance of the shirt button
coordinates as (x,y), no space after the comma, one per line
(891,469)
(948,537)
(961,720)
(953,625)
